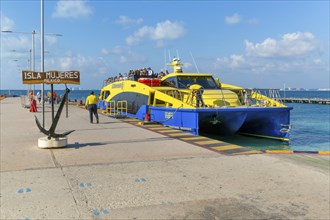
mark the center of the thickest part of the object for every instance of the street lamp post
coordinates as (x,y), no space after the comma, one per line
(33,46)
(34,57)
(42,61)
(29,65)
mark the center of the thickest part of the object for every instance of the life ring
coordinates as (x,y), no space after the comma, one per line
(195,87)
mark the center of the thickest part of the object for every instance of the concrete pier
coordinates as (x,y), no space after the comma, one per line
(116,170)
(306,100)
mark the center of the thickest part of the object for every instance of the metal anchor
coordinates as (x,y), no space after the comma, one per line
(51,132)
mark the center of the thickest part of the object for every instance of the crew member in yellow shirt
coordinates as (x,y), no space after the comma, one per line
(91,101)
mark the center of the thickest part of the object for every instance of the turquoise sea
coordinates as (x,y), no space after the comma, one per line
(310,122)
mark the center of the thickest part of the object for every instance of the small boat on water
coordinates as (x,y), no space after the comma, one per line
(197,102)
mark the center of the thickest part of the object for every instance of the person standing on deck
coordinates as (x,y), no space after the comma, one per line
(199,98)
(90,104)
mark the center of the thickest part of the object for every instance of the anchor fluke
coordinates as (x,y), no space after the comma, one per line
(51,132)
(48,133)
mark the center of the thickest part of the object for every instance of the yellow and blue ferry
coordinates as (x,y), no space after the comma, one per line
(197,102)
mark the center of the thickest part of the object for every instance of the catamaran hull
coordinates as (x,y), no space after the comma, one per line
(223,121)
(268,123)
(259,121)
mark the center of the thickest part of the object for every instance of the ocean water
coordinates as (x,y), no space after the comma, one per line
(310,122)
(73,94)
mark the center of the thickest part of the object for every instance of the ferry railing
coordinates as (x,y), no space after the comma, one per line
(122,108)
(175,94)
(278,96)
(111,108)
(266,98)
(189,97)
(114,109)
(223,98)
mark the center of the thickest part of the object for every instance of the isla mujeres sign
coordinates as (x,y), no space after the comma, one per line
(51,77)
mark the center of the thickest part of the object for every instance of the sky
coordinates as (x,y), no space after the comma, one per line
(252,44)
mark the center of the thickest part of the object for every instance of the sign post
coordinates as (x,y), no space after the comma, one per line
(52,77)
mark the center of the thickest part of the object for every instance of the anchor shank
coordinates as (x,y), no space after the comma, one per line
(58,114)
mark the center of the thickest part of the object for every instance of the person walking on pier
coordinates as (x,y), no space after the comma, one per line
(39,96)
(90,104)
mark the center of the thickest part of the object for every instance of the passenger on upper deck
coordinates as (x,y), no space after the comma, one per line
(150,72)
(135,75)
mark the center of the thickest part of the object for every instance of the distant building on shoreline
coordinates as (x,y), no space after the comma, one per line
(303,89)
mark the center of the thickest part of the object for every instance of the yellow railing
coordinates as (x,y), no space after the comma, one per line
(263,100)
(116,110)
(122,107)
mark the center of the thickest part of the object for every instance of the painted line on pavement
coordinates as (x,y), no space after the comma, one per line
(211,144)
(200,141)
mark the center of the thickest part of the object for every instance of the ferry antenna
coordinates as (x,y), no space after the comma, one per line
(165,61)
(177,54)
(194,61)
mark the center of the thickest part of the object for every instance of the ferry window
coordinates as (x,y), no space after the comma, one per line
(159,102)
(106,94)
(184,82)
(172,81)
(101,95)
(206,81)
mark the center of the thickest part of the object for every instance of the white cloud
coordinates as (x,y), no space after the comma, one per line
(16,42)
(105,51)
(92,66)
(290,44)
(72,9)
(237,19)
(294,53)
(127,21)
(253,21)
(6,23)
(125,55)
(166,30)
(234,61)
(130,56)
(118,49)
(51,39)
(233,19)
